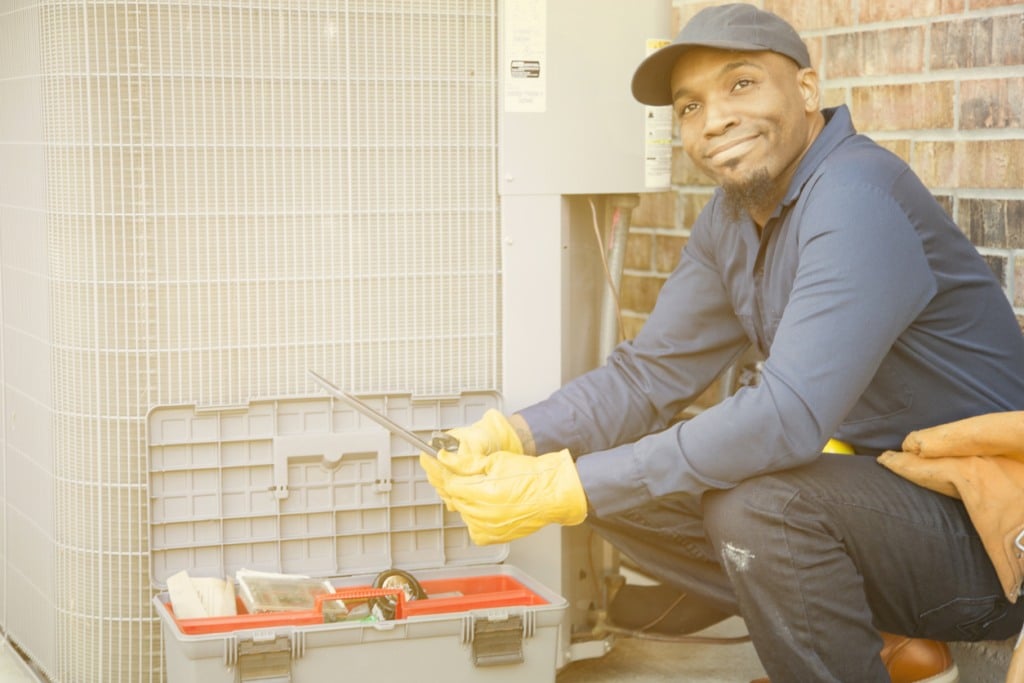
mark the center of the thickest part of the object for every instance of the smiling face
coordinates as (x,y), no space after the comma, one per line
(746,119)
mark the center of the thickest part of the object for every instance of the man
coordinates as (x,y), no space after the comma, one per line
(875,317)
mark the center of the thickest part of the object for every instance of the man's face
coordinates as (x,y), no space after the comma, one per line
(744,117)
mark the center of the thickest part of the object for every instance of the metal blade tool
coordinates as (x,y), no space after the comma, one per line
(438,441)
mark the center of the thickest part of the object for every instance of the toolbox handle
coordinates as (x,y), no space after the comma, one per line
(328,447)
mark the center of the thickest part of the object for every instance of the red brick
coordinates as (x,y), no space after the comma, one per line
(971,43)
(935,162)
(981,4)
(632,323)
(814,47)
(692,204)
(999,263)
(842,55)
(666,252)
(900,148)
(833,97)
(993,164)
(904,107)
(993,223)
(992,103)
(639,251)
(656,210)
(874,53)
(1018,288)
(987,164)
(893,10)
(946,202)
(813,14)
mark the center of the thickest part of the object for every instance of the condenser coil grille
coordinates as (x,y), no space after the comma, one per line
(236,192)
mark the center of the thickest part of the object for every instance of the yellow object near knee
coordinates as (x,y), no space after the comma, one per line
(838,447)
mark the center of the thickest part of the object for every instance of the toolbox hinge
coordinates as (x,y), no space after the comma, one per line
(497,642)
(265,659)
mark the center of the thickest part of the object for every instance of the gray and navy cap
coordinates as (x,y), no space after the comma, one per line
(737,26)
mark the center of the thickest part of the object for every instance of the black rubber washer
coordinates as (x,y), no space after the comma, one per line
(395,578)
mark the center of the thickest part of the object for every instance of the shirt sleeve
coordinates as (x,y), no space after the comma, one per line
(862,277)
(691,335)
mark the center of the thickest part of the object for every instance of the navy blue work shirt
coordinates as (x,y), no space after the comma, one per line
(875,314)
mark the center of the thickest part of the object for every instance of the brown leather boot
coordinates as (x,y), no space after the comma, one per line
(914,660)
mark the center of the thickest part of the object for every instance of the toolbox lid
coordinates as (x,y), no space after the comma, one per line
(303,486)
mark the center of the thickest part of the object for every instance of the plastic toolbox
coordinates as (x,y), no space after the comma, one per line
(309,486)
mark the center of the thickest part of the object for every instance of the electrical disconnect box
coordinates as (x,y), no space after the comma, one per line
(575,152)
(569,124)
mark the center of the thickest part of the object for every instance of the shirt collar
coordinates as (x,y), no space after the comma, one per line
(838,127)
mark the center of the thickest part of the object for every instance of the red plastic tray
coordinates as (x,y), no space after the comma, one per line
(469,593)
(491,591)
(245,621)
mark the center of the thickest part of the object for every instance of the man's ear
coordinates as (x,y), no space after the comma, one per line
(807,81)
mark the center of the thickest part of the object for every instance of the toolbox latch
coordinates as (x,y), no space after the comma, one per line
(265,661)
(498,642)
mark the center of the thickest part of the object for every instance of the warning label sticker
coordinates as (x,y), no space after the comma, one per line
(657,137)
(526,88)
(524,68)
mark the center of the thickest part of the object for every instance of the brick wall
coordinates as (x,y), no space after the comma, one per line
(939,82)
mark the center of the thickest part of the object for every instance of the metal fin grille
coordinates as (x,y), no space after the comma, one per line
(236,192)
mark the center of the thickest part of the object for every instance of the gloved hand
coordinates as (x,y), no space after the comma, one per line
(512,495)
(489,434)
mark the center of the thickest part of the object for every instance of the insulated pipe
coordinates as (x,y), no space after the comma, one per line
(622,206)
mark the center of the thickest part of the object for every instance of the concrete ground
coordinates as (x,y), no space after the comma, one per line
(638,661)
(643,661)
(630,661)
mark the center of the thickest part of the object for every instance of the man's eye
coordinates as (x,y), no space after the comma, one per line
(742,83)
(686,109)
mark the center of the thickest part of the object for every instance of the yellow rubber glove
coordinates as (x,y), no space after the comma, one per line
(513,495)
(489,434)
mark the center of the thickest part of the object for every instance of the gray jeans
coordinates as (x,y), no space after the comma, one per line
(818,559)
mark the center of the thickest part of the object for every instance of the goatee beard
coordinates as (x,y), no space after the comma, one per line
(752,193)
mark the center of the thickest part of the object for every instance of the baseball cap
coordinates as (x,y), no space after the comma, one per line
(736,26)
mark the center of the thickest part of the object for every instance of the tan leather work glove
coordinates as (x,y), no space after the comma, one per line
(991,488)
(513,495)
(1000,433)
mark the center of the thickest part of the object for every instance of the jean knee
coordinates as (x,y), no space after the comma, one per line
(745,513)
(727,516)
